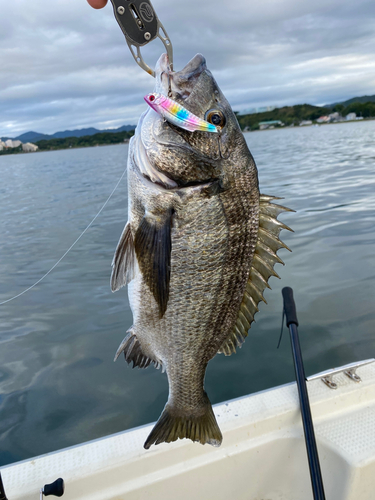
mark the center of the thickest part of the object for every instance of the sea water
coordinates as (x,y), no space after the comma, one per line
(58,383)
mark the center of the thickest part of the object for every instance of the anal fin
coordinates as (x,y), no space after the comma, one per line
(262,268)
(133,353)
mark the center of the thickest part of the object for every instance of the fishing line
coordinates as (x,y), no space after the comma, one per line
(70,248)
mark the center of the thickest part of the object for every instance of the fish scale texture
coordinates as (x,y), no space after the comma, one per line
(241,209)
(213,240)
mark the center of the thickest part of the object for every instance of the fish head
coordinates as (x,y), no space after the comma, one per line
(182,156)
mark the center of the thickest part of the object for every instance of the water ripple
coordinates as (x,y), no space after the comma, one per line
(58,383)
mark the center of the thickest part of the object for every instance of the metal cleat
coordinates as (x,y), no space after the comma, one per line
(348,370)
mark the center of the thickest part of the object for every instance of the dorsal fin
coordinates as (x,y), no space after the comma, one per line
(262,268)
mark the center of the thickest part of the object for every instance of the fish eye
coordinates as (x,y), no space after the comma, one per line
(152,97)
(216,117)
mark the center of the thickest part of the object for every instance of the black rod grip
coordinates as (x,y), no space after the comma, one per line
(289,307)
(2,491)
(56,488)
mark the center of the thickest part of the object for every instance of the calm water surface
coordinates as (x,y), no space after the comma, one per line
(58,383)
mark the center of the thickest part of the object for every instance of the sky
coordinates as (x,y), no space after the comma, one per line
(64,65)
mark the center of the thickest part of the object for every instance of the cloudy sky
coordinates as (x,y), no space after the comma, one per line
(65,65)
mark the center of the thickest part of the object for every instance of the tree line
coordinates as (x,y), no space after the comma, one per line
(293,115)
(101,139)
(365,109)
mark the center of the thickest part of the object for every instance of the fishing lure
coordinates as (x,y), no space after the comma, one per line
(177,114)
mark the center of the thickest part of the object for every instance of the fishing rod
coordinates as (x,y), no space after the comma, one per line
(308,427)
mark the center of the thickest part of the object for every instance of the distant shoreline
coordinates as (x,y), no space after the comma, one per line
(62,149)
(95,140)
(8,153)
(250,120)
(309,126)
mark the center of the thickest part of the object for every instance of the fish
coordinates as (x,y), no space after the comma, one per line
(198,249)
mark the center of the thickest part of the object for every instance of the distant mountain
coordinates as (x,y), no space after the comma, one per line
(288,115)
(362,99)
(76,133)
(32,137)
(36,136)
(90,131)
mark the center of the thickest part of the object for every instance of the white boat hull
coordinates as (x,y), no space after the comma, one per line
(263,455)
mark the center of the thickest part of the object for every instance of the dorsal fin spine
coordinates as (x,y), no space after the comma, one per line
(271,240)
(255,294)
(249,299)
(267,220)
(262,268)
(259,262)
(264,250)
(244,321)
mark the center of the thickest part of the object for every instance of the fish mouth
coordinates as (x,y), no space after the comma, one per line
(185,87)
(178,83)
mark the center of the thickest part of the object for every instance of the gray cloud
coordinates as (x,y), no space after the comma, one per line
(64,65)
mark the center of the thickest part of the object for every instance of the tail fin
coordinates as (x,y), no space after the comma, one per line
(172,426)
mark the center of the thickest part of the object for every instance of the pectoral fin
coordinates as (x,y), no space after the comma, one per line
(123,261)
(153,247)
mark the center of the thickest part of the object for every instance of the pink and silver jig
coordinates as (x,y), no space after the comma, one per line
(177,114)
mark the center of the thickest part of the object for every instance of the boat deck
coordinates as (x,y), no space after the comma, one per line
(263,455)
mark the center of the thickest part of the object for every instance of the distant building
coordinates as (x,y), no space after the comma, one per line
(351,116)
(335,117)
(29,147)
(2,145)
(269,124)
(323,119)
(303,123)
(12,144)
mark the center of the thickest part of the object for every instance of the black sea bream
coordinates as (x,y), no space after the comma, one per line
(197,251)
